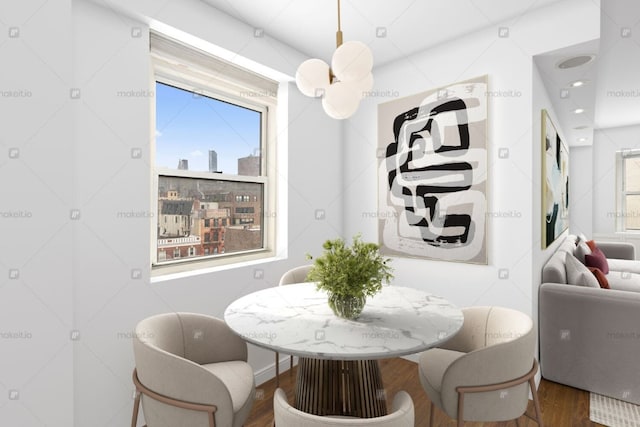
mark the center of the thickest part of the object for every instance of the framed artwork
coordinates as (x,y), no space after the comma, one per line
(555,182)
(432,174)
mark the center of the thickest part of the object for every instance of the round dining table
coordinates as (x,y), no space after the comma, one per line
(338,372)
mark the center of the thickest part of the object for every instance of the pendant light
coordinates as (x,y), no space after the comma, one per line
(342,85)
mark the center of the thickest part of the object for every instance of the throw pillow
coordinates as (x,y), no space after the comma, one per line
(591,244)
(600,277)
(578,274)
(581,251)
(597,260)
(581,238)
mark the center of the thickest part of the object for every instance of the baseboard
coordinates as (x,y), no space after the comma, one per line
(269,372)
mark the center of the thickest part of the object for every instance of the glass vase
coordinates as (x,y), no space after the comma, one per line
(346,306)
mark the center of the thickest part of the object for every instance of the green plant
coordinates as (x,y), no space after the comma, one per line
(350,271)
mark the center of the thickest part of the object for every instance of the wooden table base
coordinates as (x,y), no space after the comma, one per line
(340,387)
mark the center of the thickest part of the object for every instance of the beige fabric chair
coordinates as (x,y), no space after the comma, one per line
(485,371)
(288,416)
(295,275)
(191,370)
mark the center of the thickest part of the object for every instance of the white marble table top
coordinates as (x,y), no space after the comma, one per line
(296,319)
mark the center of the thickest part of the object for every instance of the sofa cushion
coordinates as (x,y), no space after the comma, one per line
(578,274)
(624,281)
(597,260)
(592,244)
(581,251)
(626,265)
(600,277)
(554,270)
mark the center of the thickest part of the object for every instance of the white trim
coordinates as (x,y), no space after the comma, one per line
(621,193)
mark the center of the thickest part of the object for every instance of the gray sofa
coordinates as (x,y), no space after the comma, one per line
(590,337)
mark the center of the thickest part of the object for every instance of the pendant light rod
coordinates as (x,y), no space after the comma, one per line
(339,32)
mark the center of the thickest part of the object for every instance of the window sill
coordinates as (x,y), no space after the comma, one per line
(166,273)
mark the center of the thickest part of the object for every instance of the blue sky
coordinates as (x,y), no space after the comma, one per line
(188,126)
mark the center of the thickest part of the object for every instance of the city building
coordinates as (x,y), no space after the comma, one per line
(249,166)
(183,164)
(213,161)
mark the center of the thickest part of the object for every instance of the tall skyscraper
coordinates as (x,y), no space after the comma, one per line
(213,161)
(183,164)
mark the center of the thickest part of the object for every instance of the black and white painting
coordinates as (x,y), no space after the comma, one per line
(432,174)
(555,182)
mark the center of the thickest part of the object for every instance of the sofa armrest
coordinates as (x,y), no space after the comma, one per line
(618,250)
(590,339)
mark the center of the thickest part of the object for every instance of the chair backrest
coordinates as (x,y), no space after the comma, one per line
(285,415)
(487,326)
(192,336)
(295,275)
(499,344)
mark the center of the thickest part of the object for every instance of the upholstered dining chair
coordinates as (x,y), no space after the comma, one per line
(295,275)
(485,371)
(191,370)
(285,415)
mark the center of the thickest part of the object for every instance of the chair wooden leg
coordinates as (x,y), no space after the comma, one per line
(536,402)
(460,409)
(136,407)
(277,369)
(432,410)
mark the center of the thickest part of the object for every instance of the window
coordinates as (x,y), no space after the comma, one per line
(214,158)
(627,214)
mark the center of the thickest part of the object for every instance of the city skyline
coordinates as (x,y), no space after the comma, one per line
(188,126)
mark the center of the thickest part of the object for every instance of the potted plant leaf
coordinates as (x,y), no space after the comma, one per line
(349,274)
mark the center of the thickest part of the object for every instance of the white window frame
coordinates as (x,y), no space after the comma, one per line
(621,191)
(188,68)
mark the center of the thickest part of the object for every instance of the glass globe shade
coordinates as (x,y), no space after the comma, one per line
(364,86)
(312,77)
(352,61)
(341,100)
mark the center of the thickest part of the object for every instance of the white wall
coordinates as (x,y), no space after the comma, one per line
(542,101)
(36,194)
(513,182)
(76,275)
(581,196)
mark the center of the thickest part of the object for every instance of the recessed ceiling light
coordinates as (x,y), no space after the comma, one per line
(578,111)
(577,83)
(583,139)
(575,61)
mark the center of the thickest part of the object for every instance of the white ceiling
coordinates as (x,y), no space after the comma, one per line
(395,29)
(564,98)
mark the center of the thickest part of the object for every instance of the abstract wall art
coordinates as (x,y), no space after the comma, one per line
(432,174)
(555,182)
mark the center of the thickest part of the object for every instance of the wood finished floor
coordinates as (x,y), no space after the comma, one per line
(562,406)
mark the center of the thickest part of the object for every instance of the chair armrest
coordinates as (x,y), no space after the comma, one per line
(618,250)
(182,379)
(590,339)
